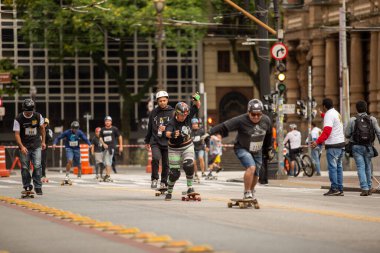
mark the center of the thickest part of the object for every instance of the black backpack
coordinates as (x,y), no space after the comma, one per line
(364,133)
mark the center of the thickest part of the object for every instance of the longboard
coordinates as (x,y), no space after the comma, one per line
(27,194)
(160,191)
(191,196)
(243,203)
(211,178)
(66,182)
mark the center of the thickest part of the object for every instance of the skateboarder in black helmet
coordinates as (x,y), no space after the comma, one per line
(30,137)
(181,148)
(254,139)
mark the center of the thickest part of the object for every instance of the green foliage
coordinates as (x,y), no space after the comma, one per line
(6,66)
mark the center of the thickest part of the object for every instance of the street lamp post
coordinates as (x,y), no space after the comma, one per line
(159,5)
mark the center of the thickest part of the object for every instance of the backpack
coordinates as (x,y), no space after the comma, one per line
(364,133)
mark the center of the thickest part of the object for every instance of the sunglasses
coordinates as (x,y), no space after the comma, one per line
(255,114)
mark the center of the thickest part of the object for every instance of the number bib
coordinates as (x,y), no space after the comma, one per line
(73,143)
(30,131)
(197,138)
(107,138)
(255,146)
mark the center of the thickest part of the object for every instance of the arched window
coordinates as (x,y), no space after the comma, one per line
(232,104)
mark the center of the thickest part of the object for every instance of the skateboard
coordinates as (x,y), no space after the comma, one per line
(191,196)
(27,194)
(160,191)
(243,203)
(211,178)
(66,182)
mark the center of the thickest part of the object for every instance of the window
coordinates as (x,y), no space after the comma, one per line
(224,61)
(244,58)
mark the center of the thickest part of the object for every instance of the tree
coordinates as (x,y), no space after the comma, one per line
(82,26)
(6,66)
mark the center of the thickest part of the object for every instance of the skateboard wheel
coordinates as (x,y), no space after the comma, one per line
(199,199)
(241,205)
(183,198)
(187,199)
(229,204)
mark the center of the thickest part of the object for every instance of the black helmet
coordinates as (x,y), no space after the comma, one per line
(75,125)
(255,105)
(182,108)
(28,105)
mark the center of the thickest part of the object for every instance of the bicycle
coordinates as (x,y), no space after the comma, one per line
(303,161)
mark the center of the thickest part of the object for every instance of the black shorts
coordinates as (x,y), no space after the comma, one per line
(293,153)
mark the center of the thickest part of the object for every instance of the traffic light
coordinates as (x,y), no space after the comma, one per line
(281,68)
(301,109)
(210,121)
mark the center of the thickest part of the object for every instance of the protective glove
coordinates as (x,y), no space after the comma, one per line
(196,96)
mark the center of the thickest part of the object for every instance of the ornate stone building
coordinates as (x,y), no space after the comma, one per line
(312,35)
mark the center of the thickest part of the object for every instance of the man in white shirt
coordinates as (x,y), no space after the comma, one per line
(316,152)
(293,142)
(333,137)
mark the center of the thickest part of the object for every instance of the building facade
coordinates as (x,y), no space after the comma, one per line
(68,90)
(312,35)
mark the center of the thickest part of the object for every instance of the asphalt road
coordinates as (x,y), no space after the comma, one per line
(291,219)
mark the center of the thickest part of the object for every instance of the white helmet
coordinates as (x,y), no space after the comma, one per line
(161,94)
(293,126)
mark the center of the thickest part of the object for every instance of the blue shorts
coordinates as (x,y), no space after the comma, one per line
(248,159)
(73,155)
(199,153)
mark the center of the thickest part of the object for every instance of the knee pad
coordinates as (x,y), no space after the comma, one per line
(188,167)
(174,175)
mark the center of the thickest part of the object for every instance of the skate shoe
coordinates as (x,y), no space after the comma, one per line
(190,190)
(154,184)
(107,178)
(248,195)
(162,185)
(67,178)
(203,174)
(38,191)
(28,188)
(332,192)
(219,169)
(168,197)
(97,177)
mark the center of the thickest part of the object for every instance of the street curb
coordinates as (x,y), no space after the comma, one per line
(351,189)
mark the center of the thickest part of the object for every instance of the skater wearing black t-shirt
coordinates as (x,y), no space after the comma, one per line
(254,139)
(181,148)
(30,137)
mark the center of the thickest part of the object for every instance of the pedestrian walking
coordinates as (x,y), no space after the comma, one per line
(215,150)
(181,147)
(72,137)
(315,152)
(254,138)
(361,131)
(333,138)
(156,139)
(30,138)
(199,147)
(293,141)
(48,139)
(97,150)
(108,136)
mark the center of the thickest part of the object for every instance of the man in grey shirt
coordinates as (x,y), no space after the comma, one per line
(361,130)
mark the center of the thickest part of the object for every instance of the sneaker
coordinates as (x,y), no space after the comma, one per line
(97,177)
(67,178)
(154,184)
(29,188)
(190,190)
(203,174)
(162,185)
(341,193)
(370,191)
(168,197)
(209,174)
(79,177)
(38,191)
(248,195)
(219,169)
(318,174)
(364,193)
(332,192)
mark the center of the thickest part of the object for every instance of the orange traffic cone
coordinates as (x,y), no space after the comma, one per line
(84,160)
(3,169)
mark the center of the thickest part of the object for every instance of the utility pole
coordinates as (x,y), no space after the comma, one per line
(263,48)
(309,106)
(344,75)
